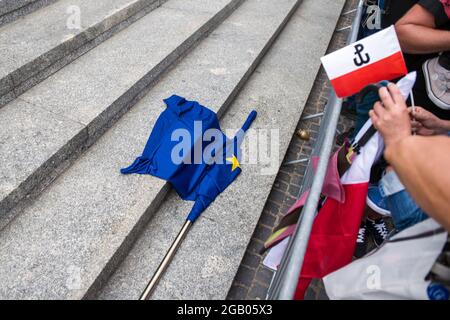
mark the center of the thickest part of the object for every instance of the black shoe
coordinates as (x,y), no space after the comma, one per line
(361,241)
(378,229)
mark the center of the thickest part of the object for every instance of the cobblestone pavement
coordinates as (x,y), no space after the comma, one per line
(253,279)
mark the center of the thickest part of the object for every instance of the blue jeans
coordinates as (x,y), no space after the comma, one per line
(405,212)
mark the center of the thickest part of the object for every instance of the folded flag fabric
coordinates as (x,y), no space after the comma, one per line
(370,60)
(188,149)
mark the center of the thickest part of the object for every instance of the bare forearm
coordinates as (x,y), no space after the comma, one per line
(417,39)
(423,166)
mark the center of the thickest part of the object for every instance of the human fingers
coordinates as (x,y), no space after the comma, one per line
(396,94)
(374,117)
(386,98)
(378,109)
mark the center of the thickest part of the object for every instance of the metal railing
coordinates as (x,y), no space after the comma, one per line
(284,283)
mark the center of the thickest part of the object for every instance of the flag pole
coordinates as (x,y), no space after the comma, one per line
(166,261)
(199,206)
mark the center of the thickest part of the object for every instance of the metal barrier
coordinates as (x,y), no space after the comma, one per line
(284,283)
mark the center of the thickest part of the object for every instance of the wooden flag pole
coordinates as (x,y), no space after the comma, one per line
(166,261)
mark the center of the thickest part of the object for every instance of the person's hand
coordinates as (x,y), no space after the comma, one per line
(390,116)
(425,123)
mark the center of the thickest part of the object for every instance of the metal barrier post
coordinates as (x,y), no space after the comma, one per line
(285,281)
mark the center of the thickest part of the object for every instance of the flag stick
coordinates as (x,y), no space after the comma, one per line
(166,261)
(413,108)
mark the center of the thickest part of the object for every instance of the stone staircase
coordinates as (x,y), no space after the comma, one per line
(42,43)
(10,10)
(79,104)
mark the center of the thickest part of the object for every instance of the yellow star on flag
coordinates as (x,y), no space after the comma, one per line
(234,161)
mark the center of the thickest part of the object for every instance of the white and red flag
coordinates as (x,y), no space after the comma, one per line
(370,60)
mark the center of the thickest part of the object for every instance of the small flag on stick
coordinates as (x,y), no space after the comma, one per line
(370,60)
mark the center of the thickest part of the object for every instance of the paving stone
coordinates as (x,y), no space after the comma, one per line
(257,292)
(272,207)
(294,191)
(264,275)
(267,219)
(277,196)
(262,233)
(251,260)
(280,185)
(237,292)
(244,276)
(255,246)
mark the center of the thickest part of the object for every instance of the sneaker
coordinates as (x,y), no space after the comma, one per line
(361,241)
(376,201)
(437,80)
(378,229)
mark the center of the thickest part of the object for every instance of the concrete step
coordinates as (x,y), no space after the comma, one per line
(11,10)
(67,242)
(47,127)
(207,262)
(44,42)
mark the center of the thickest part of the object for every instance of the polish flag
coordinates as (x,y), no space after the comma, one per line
(370,60)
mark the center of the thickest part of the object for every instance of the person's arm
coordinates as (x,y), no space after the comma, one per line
(417,32)
(422,164)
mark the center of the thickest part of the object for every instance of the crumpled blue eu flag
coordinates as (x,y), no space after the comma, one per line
(188,149)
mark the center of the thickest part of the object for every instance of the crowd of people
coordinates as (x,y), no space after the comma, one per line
(410,183)
(414,181)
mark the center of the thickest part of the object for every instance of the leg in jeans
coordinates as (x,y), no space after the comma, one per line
(405,212)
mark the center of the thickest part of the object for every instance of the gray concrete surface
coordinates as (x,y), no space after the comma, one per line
(65,244)
(207,262)
(91,93)
(11,10)
(47,40)
(7,6)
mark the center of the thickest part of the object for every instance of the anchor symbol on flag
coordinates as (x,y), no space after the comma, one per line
(359,49)
(370,60)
